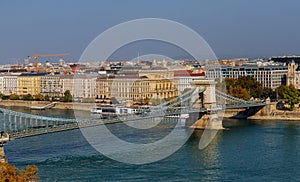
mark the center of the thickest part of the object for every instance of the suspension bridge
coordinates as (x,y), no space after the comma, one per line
(19,124)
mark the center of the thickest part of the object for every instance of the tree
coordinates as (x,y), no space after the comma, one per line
(14,97)
(268,92)
(239,92)
(290,94)
(252,87)
(1,95)
(39,97)
(28,97)
(47,98)
(113,100)
(230,82)
(67,96)
(249,83)
(11,173)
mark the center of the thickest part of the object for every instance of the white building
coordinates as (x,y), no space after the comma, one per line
(80,86)
(9,84)
(268,76)
(184,78)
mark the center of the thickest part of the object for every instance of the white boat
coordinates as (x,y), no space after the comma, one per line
(178,116)
(117,110)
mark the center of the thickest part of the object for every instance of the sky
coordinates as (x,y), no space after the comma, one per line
(233,28)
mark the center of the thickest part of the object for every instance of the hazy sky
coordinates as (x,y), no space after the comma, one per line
(233,28)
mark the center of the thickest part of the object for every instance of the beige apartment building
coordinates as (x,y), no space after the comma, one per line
(137,86)
(127,87)
(29,83)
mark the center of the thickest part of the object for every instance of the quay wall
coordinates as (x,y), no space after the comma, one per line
(58,105)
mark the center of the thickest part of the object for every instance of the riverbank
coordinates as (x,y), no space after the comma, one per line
(58,105)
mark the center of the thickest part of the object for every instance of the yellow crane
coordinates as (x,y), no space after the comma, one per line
(36,57)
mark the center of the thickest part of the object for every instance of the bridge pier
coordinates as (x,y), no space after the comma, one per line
(207,100)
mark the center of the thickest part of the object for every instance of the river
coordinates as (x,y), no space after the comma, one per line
(248,151)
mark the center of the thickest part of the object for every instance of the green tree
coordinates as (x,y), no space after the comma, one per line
(290,94)
(14,97)
(230,82)
(67,96)
(268,92)
(47,98)
(39,97)
(27,97)
(239,92)
(249,83)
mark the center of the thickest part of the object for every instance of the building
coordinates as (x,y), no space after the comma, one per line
(125,87)
(50,85)
(268,76)
(66,83)
(84,86)
(1,84)
(9,84)
(293,76)
(137,85)
(161,82)
(184,78)
(29,83)
(286,59)
(103,87)
(80,86)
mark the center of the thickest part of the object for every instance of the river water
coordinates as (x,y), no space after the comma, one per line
(248,151)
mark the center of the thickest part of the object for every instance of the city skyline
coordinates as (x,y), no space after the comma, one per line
(232,28)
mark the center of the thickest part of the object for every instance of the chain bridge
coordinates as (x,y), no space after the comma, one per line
(200,99)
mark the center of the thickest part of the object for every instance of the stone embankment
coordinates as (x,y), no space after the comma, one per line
(58,105)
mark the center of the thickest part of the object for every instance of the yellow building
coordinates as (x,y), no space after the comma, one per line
(144,84)
(162,82)
(29,83)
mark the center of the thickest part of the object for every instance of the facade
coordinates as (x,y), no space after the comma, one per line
(268,76)
(184,78)
(137,86)
(103,87)
(9,84)
(126,87)
(1,84)
(80,86)
(50,85)
(66,83)
(84,87)
(293,76)
(161,82)
(130,88)
(29,83)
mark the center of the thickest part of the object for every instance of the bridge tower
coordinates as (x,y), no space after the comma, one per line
(207,100)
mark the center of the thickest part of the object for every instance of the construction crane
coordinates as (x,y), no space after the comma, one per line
(37,56)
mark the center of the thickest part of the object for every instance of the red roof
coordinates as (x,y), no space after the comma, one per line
(178,73)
